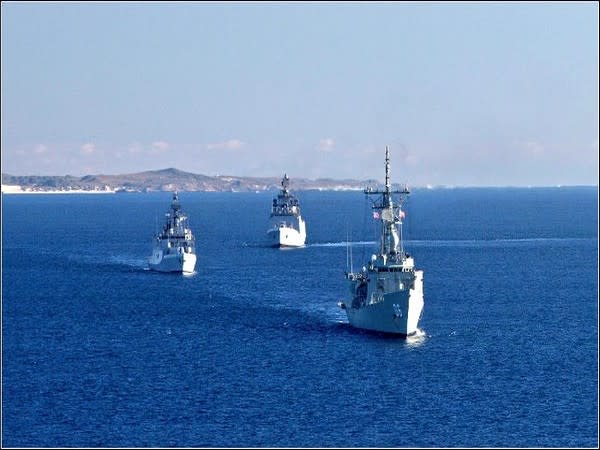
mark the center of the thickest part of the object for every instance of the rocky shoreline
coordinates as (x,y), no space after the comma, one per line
(165,180)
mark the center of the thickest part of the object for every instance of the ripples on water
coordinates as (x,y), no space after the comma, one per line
(252,350)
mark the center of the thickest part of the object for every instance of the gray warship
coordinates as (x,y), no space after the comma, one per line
(174,248)
(387,294)
(286,225)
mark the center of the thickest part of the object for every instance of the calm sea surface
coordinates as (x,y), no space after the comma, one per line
(252,350)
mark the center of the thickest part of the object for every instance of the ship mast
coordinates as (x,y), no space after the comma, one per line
(391,246)
(285,182)
(175,205)
(387,196)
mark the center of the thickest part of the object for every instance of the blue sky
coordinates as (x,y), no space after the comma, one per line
(463,93)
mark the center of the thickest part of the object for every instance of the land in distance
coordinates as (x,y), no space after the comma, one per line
(168,180)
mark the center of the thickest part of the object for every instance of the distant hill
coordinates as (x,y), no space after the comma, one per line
(172,180)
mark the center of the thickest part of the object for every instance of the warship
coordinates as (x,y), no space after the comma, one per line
(174,248)
(286,225)
(387,294)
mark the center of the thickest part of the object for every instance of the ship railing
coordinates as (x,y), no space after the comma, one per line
(285,211)
(356,276)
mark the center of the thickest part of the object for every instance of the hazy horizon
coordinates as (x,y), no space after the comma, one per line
(277,176)
(464,94)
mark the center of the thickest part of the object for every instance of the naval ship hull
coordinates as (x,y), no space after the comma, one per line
(182,262)
(398,313)
(286,236)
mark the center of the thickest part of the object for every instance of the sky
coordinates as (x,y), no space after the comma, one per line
(463,93)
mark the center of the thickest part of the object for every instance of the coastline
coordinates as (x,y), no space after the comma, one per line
(13,189)
(17,189)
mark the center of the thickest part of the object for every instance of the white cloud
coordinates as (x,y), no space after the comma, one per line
(135,147)
(326,145)
(40,149)
(160,147)
(531,147)
(88,148)
(411,160)
(232,144)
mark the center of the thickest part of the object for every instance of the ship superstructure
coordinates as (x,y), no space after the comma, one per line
(174,248)
(387,294)
(286,225)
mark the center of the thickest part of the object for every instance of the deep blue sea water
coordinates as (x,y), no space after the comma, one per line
(253,351)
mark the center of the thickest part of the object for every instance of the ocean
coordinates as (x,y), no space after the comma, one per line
(253,351)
